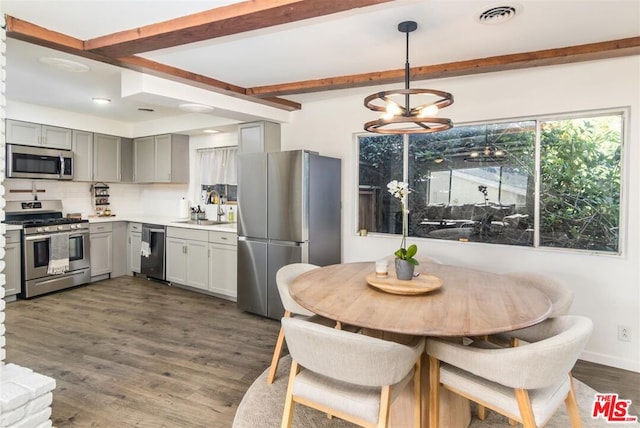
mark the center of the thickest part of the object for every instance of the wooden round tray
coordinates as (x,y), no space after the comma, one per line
(419,284)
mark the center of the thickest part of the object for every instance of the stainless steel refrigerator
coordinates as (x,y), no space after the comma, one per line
(289,211)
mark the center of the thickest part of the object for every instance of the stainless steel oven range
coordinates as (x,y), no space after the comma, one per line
(40,221)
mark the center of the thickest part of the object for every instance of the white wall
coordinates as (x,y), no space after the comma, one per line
(607,288)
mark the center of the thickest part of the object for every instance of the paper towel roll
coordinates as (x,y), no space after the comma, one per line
(183,211)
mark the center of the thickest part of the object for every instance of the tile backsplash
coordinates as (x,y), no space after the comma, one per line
(125,198)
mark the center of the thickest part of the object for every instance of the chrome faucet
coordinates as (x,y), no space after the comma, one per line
(220,211)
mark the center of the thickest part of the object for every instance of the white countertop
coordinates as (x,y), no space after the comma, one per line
(13,227)
(164,221)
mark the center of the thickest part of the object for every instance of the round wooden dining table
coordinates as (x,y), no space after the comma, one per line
(468,302)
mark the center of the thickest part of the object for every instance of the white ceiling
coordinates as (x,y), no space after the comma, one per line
(358,41)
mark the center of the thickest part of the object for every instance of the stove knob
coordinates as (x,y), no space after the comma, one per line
(60,227)
(74,226)
(40,229)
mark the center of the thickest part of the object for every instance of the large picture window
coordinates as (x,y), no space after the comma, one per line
(478,182)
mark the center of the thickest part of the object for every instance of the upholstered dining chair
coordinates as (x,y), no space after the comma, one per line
(349,375)
(560,295)
(526,383)
(284,278)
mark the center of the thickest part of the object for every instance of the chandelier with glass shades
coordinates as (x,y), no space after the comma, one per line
(399,117)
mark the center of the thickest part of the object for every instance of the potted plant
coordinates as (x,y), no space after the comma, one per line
(405,262)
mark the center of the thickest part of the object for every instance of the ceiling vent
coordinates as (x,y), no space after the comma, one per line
(497,14)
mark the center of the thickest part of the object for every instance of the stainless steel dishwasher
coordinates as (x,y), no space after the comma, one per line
(152,254)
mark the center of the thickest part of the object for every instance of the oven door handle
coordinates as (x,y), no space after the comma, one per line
(61,165)
(38,237)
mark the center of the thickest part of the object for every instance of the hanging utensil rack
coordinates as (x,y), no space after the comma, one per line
(100,199)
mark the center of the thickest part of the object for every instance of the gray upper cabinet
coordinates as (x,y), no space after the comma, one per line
(144,156)
(256,137)
(34,134)
(82,147)
(106,158)
(161,159)
(100,157)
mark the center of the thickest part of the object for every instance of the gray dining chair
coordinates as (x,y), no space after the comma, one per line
(526,383)
(560,294)
(284,278)
(561,297)
(348,375)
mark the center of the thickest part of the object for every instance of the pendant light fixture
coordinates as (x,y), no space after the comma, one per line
(399,117)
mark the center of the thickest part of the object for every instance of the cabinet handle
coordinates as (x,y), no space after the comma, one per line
(129,240)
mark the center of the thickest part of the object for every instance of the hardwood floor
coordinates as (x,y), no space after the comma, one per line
(130,352)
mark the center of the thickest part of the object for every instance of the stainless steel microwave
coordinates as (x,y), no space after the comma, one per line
(39,162)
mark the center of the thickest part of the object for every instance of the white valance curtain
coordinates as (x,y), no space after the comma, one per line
(218,166)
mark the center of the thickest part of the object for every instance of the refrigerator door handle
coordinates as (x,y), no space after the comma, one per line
(289,243)
(250,239)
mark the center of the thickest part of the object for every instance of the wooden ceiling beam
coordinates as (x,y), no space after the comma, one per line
(579,53)
(25,31)
(31,33)
(269,94)
(223,21)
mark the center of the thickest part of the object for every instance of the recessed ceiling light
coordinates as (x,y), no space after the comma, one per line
(195,108)
(99,100)
(65,64)
(210,131)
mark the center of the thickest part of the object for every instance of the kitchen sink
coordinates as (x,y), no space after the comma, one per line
(202,222)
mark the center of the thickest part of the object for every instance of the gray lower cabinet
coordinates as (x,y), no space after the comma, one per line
(161,159)
(12,260)
(134,244)
(223,259)
(202,259)
(119,249)
(101,241)
(187,257)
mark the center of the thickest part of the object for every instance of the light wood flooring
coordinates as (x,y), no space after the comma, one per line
(129,352)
